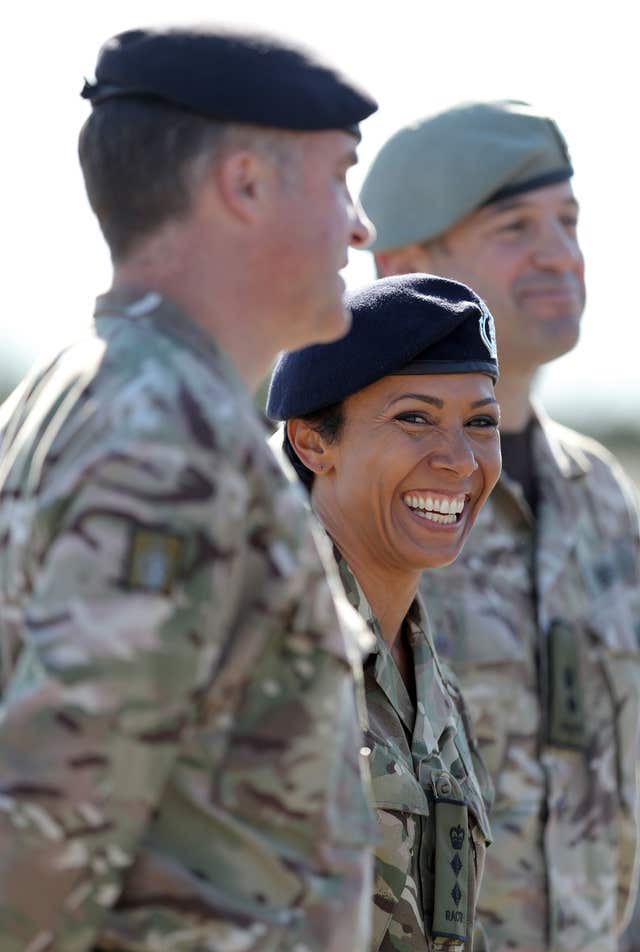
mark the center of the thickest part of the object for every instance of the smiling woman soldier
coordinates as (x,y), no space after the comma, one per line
(394,430)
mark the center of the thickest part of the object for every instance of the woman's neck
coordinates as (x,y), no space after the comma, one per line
(389,602)
(388,593)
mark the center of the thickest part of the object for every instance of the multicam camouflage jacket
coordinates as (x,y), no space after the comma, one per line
(180,752)
(541,621)
(430,791)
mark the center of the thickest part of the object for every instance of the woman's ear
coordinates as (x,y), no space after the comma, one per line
(311,448)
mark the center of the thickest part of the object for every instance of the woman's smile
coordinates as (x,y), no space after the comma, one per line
(436,507)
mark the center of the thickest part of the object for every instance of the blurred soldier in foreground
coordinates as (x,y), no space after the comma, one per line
(539,616)
(179,742)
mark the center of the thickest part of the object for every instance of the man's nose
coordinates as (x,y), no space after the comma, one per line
(557,249)
(363,230)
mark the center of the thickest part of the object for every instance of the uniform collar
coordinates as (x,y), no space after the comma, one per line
(416,616)
(561,466)
(558,461)
(356,596)
(555,455)
(380,661)
(169,320)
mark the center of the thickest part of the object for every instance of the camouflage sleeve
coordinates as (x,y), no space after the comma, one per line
(132,553)
(629,858)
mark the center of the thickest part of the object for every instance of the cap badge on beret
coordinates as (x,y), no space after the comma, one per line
(488,331)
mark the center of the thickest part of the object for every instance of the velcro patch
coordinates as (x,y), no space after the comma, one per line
(153,560)
(566,722)
(451,891)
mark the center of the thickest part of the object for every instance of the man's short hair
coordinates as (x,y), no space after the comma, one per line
(143,158)
(140,160)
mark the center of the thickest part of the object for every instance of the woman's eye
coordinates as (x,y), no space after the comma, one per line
(484,421)
(412,418)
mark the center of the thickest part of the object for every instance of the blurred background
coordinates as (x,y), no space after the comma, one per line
(578,62)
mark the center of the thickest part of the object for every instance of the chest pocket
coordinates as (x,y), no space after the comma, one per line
(613,631)
(613,641)
(501,696)
(483,629)
(613,646)
(402,807)
(406,852)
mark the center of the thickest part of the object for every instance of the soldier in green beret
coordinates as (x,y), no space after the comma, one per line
(540,615)
(179,740)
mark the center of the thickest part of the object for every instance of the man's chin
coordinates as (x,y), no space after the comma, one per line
(565,336)
(321,326)
(334,324)
(566,306)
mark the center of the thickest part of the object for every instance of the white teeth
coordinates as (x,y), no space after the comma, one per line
(438,517)
(446,509)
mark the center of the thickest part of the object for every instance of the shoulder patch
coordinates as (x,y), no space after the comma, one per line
(153,560)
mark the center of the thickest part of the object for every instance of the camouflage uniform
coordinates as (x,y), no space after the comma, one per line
(430,791)
(540,621)
(181,764)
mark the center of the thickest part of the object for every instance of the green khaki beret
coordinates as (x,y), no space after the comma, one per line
(434,172)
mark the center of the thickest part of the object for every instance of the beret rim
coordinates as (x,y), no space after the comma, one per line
(445,367)
(417,235)
(434,367)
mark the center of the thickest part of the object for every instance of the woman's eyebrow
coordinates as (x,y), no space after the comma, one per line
(437,402)
(485,402)
(423,397)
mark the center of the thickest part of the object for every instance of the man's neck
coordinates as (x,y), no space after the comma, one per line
(513,393)
(220,301)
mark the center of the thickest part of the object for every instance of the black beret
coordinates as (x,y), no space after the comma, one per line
(407,324)
(228,76)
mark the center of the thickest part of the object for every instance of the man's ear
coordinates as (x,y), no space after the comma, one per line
(313,451)
(244,179)
(406,260)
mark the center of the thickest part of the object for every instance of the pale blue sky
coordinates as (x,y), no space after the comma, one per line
(579,62)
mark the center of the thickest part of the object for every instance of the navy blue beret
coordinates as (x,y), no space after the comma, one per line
(228,76)
(407,324)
